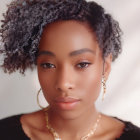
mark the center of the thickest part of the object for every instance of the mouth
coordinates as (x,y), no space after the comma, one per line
(67,103)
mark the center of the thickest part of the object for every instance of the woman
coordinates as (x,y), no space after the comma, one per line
(72,43)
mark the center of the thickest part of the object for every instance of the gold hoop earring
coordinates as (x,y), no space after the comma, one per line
(38,99)
(104,87)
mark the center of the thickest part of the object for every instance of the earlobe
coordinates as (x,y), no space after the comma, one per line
(107,66)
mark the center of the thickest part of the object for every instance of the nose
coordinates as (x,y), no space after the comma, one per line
(64,80)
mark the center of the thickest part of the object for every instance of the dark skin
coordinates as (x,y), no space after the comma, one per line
(70,64)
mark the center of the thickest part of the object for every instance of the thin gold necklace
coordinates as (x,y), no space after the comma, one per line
(57,137)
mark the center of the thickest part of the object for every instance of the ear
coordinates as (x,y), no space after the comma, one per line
(107,66)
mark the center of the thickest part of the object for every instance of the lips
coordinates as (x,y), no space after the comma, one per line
(66,99)
(67,103)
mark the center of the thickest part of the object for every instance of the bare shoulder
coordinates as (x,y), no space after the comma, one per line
(33,124)
(33,119)
(112,126)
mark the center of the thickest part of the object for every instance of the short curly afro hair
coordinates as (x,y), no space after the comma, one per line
(25,20)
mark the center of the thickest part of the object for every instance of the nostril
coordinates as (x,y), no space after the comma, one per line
(63,87)
(70,87)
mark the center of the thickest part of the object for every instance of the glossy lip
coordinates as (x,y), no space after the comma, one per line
(66,99)
(66,103)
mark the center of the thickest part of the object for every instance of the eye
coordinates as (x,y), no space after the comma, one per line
(47,65)
(83,65)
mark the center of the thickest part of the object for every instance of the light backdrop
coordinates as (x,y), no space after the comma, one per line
(18,93)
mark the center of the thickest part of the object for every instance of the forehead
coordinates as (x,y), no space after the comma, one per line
(68,35)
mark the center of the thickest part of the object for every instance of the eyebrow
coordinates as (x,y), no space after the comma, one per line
(74,53)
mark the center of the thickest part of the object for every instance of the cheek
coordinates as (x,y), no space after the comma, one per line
(91,85)
(44,78)
(45,83)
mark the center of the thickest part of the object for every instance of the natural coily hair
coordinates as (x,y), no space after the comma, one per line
(25,20)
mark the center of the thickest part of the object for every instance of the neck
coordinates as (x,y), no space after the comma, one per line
(77,126)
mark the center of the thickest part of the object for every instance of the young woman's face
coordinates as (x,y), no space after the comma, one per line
(70,67)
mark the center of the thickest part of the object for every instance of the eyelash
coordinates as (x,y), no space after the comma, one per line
(45,65)
(86,64)
(48,65)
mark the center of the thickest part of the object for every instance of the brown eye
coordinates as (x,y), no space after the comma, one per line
(83,65)
(47,65)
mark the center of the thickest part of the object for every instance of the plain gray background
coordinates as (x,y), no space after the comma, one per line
(18,93)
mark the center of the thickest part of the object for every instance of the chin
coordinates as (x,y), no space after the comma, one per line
(67,114)
(70,115)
